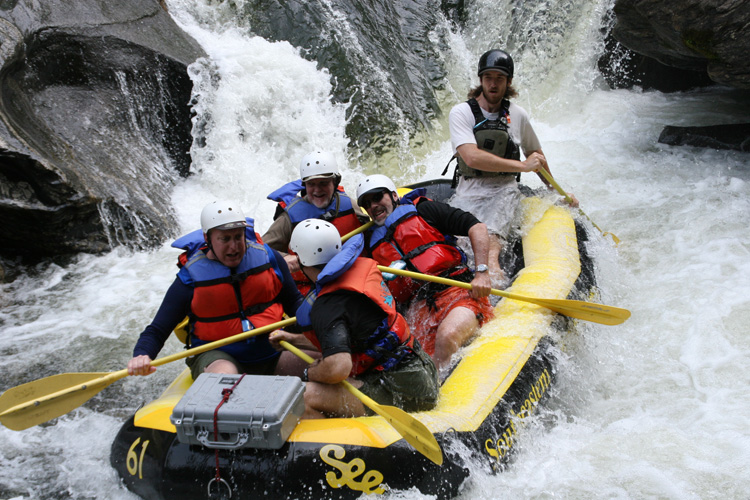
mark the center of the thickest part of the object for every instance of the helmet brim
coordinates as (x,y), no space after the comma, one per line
(320,176)
(232,225)
(375,190)
(501,71)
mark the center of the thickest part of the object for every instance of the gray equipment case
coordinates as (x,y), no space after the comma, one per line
(261,412)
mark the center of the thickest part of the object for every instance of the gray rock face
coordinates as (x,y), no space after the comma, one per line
(698,35)
(382,56)
(94,122)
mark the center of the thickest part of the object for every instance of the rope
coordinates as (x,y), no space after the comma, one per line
(225,393)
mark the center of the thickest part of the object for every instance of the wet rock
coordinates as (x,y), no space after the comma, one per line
(382,57)
(94,124)
(624,68)
(735,136)
(707,36)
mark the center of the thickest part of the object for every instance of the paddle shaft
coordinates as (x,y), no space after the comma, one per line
(588,311)
(369,402)
(307,359)
(92,387)
(562,192)
(360,229)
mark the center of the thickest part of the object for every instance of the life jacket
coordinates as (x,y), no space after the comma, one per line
(230,301)
(406,236)
(340,213)
(491,136)
(391,342)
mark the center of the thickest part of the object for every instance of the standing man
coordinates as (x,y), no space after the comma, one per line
(360,334)
(316,195)
(421,233)
(228,283)
(488,133)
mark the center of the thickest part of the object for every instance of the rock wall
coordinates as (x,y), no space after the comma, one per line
(94,124)
(707,36)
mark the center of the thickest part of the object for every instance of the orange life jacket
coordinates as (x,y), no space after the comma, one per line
(230,301)
(390,342)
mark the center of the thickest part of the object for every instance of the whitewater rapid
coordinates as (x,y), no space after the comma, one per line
(654,408)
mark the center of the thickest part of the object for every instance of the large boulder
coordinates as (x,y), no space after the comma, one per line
(94,123)
(710,36)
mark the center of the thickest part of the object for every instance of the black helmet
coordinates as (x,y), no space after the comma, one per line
(496,60)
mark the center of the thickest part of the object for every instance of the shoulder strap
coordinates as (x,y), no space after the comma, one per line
(476,111)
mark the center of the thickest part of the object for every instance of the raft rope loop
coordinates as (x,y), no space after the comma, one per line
(225,394)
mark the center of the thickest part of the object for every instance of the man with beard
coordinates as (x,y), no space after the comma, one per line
(421,233)
(488,133)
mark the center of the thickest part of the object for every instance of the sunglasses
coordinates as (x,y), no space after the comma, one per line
(368,200)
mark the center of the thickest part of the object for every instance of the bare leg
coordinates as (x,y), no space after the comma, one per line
(456,329)
(497,275)
(331,399)
(290,364)
(221,366)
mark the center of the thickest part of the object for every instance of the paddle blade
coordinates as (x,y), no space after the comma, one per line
(597,313)
(588,311)
(42,400)
(413,431)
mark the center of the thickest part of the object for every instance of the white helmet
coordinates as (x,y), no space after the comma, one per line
(222,215)
(375,182)
(319,165)
(315,241)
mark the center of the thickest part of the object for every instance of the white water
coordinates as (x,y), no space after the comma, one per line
(654,408)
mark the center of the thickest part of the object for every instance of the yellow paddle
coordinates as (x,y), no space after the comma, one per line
(560,190)
(36,402)
(412,430)
(364,227)
(589,311)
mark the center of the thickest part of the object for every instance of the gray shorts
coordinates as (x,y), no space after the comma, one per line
(199,363)
(412,386)
(492,200)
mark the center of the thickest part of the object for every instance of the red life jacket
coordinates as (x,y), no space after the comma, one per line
(407,236)
(393,340)
(222,300)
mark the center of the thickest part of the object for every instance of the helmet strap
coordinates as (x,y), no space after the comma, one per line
(207,239)
(315,270)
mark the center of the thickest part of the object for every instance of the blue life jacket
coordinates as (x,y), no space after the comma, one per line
(288,196)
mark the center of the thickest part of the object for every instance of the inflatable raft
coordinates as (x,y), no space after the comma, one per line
(500,380)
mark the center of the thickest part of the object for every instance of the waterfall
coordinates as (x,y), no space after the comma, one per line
(654,408)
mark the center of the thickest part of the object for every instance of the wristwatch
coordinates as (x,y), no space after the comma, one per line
(482,268)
